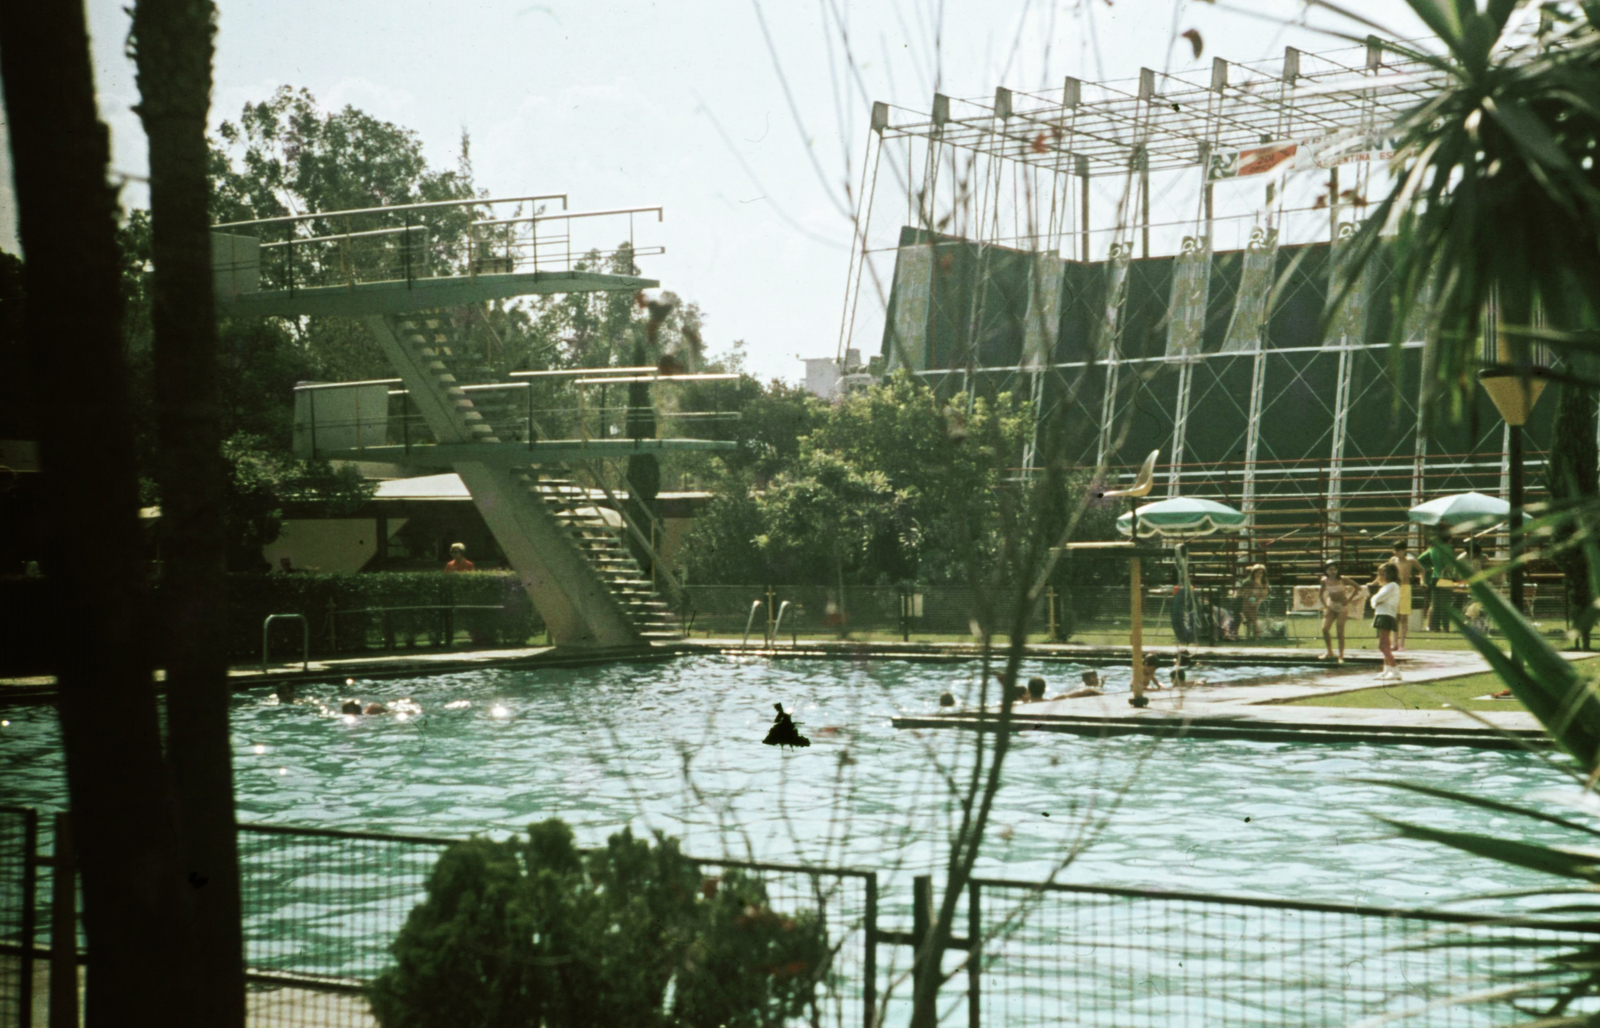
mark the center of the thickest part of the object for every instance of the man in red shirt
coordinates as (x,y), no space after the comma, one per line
(458,559)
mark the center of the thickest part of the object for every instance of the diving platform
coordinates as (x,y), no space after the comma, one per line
(426,256)
(412,275)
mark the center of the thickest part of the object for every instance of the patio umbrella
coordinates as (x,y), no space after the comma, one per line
(1461,510)
(1181,517)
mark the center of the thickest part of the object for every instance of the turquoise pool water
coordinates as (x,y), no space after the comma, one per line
(676,746)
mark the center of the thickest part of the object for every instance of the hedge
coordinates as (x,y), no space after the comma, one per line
(27,633)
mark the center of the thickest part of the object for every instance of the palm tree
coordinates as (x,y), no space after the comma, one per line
(135,904)
(1499,195)
(172,44)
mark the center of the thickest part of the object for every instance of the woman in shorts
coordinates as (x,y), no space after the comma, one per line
(1338,593)
(1386,607)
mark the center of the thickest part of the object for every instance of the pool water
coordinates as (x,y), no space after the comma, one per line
(676,746)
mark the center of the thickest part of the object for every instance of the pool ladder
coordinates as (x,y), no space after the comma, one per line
(770,641)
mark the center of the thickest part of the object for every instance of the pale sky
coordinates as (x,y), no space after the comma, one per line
(681,104)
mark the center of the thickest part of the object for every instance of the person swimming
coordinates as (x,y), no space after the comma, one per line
(784,732)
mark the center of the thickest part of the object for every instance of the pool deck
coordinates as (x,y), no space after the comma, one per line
(1259,710)
(1256,710)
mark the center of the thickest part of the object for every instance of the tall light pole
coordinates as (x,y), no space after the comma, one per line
(1514,392)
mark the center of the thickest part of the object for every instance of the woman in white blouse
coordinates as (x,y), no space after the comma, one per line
(1386,607)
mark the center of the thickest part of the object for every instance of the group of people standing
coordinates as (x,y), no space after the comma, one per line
(1390,593)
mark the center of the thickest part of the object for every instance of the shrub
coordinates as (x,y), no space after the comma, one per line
(515,933)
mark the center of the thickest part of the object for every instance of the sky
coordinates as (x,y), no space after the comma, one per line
(747,121)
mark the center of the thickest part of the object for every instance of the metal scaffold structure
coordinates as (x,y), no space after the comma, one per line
(1152,262)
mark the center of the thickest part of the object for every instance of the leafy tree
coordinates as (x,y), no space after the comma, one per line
(1500,196)
(286,156)
(884,486)
(542,933)
(829,521)
(263,479)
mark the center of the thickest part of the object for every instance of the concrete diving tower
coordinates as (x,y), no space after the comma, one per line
(407,273)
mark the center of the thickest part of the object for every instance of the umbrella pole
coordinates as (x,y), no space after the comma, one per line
(1136,633)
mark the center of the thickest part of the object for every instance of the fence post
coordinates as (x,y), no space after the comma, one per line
(869,963)
(1050,605)
(64,928)
(923,962)
(30,911)
(974,955)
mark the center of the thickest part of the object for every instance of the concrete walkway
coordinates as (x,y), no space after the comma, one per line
(1259,710)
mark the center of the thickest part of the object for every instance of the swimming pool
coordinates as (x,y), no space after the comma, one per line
(676,746)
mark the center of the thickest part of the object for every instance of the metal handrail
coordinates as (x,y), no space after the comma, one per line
(777,626)
(708,376)
(429,205)
(644,541)
(305,638)
(578,372)
(534,219)
(299,240)
(751,620)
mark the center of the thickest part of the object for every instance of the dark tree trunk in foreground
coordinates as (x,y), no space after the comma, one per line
(1571,475)
(133,879)
(173,48)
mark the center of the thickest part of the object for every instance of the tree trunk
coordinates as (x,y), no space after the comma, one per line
(133,878)
(172,41)
(1572,475)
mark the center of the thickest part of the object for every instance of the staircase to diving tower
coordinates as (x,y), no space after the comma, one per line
(583,580)
(574,564)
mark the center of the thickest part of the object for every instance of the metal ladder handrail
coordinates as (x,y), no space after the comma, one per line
(777,626)
(305,638)
(643,540)
(751,620)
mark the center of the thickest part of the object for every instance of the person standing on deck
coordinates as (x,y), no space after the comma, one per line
(1432,575)
(1385,607)
(1336,594)
(1252,592)
(1407,568)
(458,559)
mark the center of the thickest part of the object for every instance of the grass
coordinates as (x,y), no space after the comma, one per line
(1462,692)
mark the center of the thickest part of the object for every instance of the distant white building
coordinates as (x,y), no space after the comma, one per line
(827,379)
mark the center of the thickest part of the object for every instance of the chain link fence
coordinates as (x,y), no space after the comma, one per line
(19,841)
(1058,954)
(321,908)
(1286,615)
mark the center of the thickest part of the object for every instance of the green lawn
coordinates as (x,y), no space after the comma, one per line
(1457,692)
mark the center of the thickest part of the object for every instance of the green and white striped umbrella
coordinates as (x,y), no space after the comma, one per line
(1461,510)
(1181,518)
